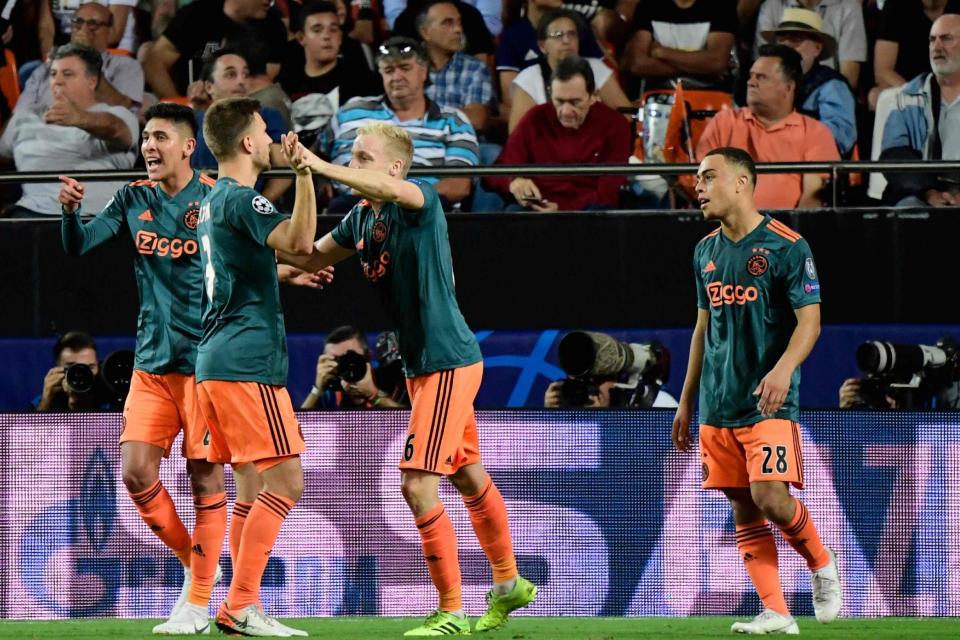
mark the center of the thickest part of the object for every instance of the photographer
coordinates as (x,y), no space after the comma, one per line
(71,384)
(904,377)
(604,373)
(345,378)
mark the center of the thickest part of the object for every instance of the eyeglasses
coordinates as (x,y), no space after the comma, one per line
(92,25)
(396,50)
(572,34)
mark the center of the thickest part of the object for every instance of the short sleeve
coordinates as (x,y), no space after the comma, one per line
(702,301)
(801,278)
(253,215)
(346,232)
(461,143)
(852,39)
(821,146)
(891,21)
(431,205)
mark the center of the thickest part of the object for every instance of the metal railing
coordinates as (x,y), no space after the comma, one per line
(834,169)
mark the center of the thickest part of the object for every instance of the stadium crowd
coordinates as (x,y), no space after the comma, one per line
(804,80)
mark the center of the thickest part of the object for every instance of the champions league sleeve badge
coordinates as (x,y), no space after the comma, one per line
(262,205)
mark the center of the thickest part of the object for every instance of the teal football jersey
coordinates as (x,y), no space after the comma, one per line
(167,265)
(750,289)
(405,254)
(244,338)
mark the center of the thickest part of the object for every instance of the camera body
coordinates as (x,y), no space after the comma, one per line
(351,368)
(910,374)
(79,377)
(590,359)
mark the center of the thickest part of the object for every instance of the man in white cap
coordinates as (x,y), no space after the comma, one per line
(823,93)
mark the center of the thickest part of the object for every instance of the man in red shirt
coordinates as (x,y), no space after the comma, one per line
(573,128)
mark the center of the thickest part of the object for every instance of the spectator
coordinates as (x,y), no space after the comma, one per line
(457,80)
(490,10)
(199,29)
(823,92)
(842,19)
(74,348)
(689,39)
(557,36)
(898,53)
(122,81)
(605,18)
(519,49)
(772,131)
(76,132)
(575,128)
(907,135)
(325,80)
(478,41)
(226,75)
(331,391)
(441,136)
(121,31)
(260,86)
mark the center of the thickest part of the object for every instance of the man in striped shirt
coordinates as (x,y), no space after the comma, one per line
(441,136)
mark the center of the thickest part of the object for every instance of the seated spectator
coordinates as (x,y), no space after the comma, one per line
(518,47)
(823,92)
(899,54)
(478,41)
(557,36)
(121,83)
(225,75)
(76,132)
(490,10)
(907,135)
(325,81)
(688,39)
(201,27)
(574,128)
(354,49)
(441,136)
(457,80)
(772,130)
(330,389)
(841,19)
(74,348)
(120,32)
(605,18)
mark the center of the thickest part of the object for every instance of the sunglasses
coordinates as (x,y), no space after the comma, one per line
(92,25)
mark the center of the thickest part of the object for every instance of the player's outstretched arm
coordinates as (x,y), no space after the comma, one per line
(691,384)
(295,236)
(775,386)
(326,252)
(374,185)
(78,238)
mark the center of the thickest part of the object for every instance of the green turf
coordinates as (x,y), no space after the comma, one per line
(522,628)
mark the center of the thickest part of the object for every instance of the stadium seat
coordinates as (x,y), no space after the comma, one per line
(9,84)
(675,139)
(184,100)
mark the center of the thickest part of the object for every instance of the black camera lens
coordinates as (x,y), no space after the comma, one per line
(575,392)
(79,377)
(351,366)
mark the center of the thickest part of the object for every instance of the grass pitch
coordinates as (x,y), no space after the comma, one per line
(523,628)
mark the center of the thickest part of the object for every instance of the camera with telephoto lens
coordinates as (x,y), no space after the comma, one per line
(590,358)
(911,374)
(113,383)
(351,368)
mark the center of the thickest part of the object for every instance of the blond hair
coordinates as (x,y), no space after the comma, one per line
(396,141)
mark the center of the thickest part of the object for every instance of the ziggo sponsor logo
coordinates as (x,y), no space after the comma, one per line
(149,243)
(721,293)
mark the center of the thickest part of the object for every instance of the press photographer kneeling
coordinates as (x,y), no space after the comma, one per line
(905,376)
(603,372)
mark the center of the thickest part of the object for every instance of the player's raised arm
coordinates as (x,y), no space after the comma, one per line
(382,184)
(295,236)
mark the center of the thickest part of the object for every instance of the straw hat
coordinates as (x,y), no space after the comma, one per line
(797,20)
